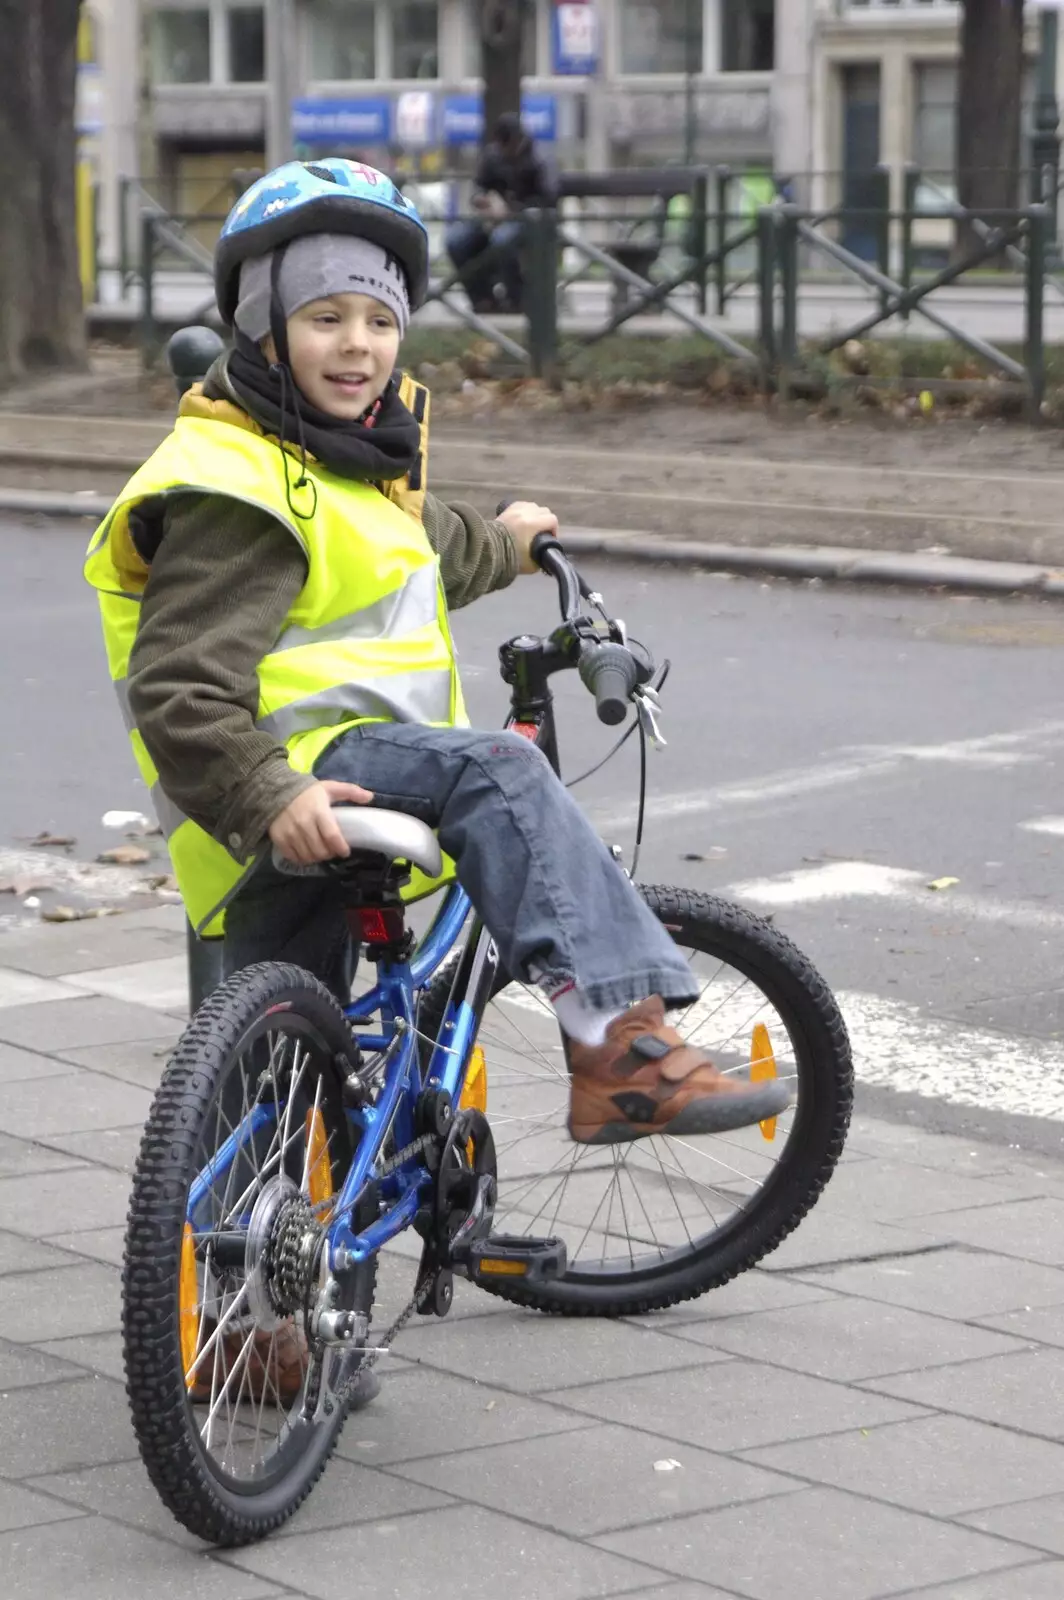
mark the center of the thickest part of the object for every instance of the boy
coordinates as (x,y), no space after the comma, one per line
(277,631)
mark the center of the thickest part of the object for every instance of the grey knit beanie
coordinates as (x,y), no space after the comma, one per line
(315,266)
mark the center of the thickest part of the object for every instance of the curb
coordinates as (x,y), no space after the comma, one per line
(829,563)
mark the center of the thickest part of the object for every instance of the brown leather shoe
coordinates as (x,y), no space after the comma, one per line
(645,1080)
(275,1365)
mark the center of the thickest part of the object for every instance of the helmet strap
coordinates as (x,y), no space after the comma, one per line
(278,320)
(282,370)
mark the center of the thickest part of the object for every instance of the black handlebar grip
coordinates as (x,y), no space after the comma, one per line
(543,545)
(541,542)
(610,672)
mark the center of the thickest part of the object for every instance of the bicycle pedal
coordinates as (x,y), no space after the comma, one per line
(502,1255)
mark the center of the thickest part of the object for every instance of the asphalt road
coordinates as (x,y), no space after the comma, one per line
(831,754)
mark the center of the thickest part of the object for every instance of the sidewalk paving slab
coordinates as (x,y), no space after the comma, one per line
(817,1544)
(945,1466)
(97,1558)
(406,1556)
(1038,1582)
(873,1413)
(846,1340)
(1036,1522)
(1023,1389)
(605,1476)
(956,1280)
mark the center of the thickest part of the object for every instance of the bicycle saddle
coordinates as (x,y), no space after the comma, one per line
(391,834)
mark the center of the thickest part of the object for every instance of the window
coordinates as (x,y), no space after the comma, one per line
(661,35)
(529,51)
(415,47)
(934,133)
(748,30)
(247,44)
(343,39)
(181,46)
(877,5)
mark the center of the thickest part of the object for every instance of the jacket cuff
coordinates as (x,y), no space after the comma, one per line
(502,539)
(256,802)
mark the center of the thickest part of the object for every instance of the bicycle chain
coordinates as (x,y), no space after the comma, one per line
(421,1288)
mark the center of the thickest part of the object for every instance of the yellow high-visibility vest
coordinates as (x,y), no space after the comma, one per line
(366,640)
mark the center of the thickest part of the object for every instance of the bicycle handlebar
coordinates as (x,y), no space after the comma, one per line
(610,672)
(607,667)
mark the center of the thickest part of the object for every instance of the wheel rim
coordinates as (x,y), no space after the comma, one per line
(633,1211)
(252,1380)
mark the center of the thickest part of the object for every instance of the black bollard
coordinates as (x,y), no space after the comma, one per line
(190,353)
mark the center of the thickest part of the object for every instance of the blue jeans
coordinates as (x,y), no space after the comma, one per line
(468,240)
(548,890)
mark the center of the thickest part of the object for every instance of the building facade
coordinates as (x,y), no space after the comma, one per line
(187,91)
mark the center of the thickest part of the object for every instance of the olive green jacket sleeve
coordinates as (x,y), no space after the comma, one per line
(221,585)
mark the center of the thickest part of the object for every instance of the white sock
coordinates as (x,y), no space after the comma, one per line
(579,1019)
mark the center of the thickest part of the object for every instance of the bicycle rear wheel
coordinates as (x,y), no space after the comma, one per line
(666,1218)
(236,1410)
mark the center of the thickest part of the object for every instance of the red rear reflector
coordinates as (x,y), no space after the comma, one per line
(380,927)
(525,730)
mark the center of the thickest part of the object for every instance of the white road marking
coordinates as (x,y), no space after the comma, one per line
(896,1046)
(863,762)
(835,880)
(845,880)
(1050,825)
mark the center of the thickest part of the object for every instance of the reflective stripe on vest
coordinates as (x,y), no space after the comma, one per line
(389,658)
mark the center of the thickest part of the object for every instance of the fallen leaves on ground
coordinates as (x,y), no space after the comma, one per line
(943,883)
(78,913)
(125,855)
(44,841)
(21,886)
(163,882)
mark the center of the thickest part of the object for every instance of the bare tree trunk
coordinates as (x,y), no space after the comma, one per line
(988,109)
(500,50)
(41,314)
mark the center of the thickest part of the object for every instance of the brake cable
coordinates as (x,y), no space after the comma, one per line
(635,724)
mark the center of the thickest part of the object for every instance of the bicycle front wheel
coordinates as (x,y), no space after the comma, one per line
(667,1218)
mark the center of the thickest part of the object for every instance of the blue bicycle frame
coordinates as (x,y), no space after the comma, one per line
(394,1000)
(529,663)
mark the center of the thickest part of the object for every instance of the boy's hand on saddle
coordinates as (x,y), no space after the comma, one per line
(306,830)
(524,520)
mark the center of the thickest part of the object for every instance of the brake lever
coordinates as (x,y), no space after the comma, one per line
(648,710)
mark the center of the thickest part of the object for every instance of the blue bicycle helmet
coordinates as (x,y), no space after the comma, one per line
(329,196)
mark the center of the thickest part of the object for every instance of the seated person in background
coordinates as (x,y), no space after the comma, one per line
(510,177)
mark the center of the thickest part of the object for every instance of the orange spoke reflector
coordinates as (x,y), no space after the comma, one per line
(188,1302)
(762,1067)
(319,1167)
(474,1096)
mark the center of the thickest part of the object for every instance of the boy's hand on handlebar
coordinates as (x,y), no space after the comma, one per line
(523,519)
(306,830)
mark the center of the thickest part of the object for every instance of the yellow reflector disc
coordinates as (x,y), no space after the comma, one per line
(474,1096)
(319,1167)
(188,1301)
(475,1089)
(502,1269)
(763,1067)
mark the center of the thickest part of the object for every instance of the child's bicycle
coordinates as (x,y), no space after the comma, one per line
(290,1141)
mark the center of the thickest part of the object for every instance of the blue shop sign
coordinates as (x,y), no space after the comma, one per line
(462,119)
(363,121)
